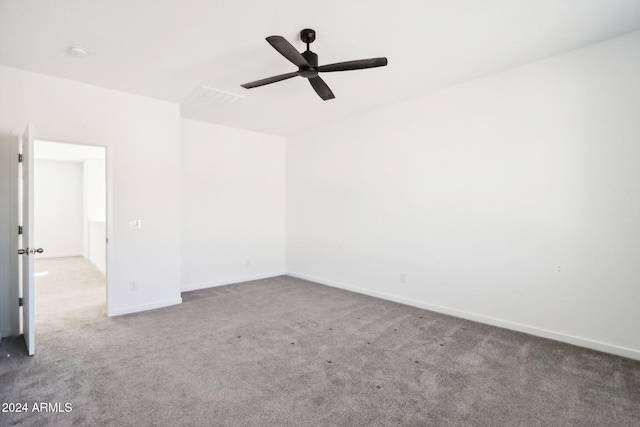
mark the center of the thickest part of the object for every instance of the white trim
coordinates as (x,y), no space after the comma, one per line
(557,336)
(231,281)
(100,269)
(145,307)
(45,255)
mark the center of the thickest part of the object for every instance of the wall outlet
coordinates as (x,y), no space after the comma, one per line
(403,278)
(248,262)
(133,286)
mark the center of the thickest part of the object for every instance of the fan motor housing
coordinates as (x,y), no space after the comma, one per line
(308,72)
(311,71)
(311,58)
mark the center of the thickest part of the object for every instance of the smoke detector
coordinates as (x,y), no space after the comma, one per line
(78,52)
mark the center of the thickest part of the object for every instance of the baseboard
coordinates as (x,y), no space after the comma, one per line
(231,281)
(144,307)
(531,330)
(100,269)
(46,255)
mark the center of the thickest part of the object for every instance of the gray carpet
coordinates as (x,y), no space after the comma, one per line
(287,352)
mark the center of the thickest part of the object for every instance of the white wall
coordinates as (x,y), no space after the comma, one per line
(233,203)
(513,199)
(8,235)
(94,175)
(59,210)
(142,139)
(5,233)
(97,233)
(95,215)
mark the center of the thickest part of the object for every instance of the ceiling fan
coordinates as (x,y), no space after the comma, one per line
(307,63)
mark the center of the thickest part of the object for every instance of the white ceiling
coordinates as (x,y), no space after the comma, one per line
(166,49)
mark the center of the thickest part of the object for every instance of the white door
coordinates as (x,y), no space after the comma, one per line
(28,249)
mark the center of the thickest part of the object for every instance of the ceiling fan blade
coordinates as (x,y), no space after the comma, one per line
(353,65)
(285,48)
(321,88)
(269,80)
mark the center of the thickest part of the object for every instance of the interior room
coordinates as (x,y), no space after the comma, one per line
(69,213)
(70,201)
(446,234)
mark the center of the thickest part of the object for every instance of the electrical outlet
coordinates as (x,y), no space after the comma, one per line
(403,278)
(133,286)
(248,262)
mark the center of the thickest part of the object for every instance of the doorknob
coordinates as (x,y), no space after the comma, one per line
(28,251)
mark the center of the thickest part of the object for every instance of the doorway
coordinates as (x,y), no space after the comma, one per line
(70,224)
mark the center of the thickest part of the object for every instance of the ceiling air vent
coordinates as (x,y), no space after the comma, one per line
(211,97)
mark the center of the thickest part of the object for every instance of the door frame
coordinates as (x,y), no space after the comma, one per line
(108,158)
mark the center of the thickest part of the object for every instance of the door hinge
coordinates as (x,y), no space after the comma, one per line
(19,229)
(19,302)
(19,158)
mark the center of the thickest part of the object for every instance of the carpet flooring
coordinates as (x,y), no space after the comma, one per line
(287,352)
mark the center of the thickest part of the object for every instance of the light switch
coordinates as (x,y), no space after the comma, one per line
(135,224)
